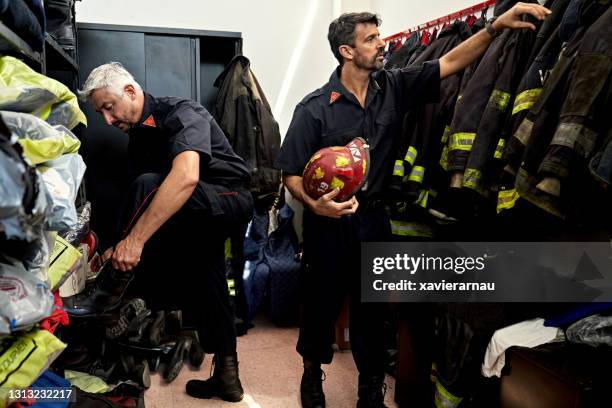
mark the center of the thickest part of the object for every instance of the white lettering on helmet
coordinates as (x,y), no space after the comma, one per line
(356,153)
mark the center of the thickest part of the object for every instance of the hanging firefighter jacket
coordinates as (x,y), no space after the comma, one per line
(578,96)
(420,49)
(244,114)
(489,140)
(472,103)
(541,119)
(420,146)
(469,70)
(399,58)
(549,25)
(483,106)
(527,94)
(498,63)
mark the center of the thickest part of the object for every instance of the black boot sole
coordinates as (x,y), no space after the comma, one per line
(198,392)
(232,397)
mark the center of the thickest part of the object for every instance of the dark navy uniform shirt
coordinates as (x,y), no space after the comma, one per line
(332,116)
(170,126)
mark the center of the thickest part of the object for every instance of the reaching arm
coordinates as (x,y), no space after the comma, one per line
(172,194)
(472,48)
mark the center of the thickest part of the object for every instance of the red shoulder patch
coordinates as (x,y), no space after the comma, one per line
(334,96)
(150,121)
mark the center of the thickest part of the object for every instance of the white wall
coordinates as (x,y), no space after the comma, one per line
(273,32)
(286,41)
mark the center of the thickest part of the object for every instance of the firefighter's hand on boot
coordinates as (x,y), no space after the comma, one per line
(327,207)
(127,254)
(513,18)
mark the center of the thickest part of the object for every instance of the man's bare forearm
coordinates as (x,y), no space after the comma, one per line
(295,186)
(465,53)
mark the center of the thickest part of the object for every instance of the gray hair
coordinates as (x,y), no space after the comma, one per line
(112,76)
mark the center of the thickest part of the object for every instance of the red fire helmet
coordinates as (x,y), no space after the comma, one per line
(343,167)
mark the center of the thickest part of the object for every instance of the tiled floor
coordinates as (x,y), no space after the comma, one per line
(270,370)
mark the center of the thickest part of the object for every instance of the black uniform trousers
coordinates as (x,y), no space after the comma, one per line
(332,256)
(183,264)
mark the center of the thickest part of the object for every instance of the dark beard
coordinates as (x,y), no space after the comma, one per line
(370,65)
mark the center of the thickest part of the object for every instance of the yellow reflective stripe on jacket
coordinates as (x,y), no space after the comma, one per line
(506,199)
(228,249)
(410,229)
(472,178)
(411,155)
(231,287)
(444,399)
(398,168)
(499,150)
(445,134)
(461,141)
(416,174)
(526,99)
(422,200)
(499,99)
(444,158)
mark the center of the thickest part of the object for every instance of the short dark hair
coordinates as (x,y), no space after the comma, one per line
(342,30)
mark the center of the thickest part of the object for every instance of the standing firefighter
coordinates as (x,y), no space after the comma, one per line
(360,100)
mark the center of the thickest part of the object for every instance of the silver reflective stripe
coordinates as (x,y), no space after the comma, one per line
(417,174)
(575,136)
(398,168)
(523,133)
(411,155)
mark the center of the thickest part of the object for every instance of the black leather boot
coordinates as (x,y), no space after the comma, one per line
(60,26)
(196,352)
(311,387)
(132,315)
(104,296)
(177,356)
(371,391)
(224,383)
(157,328)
